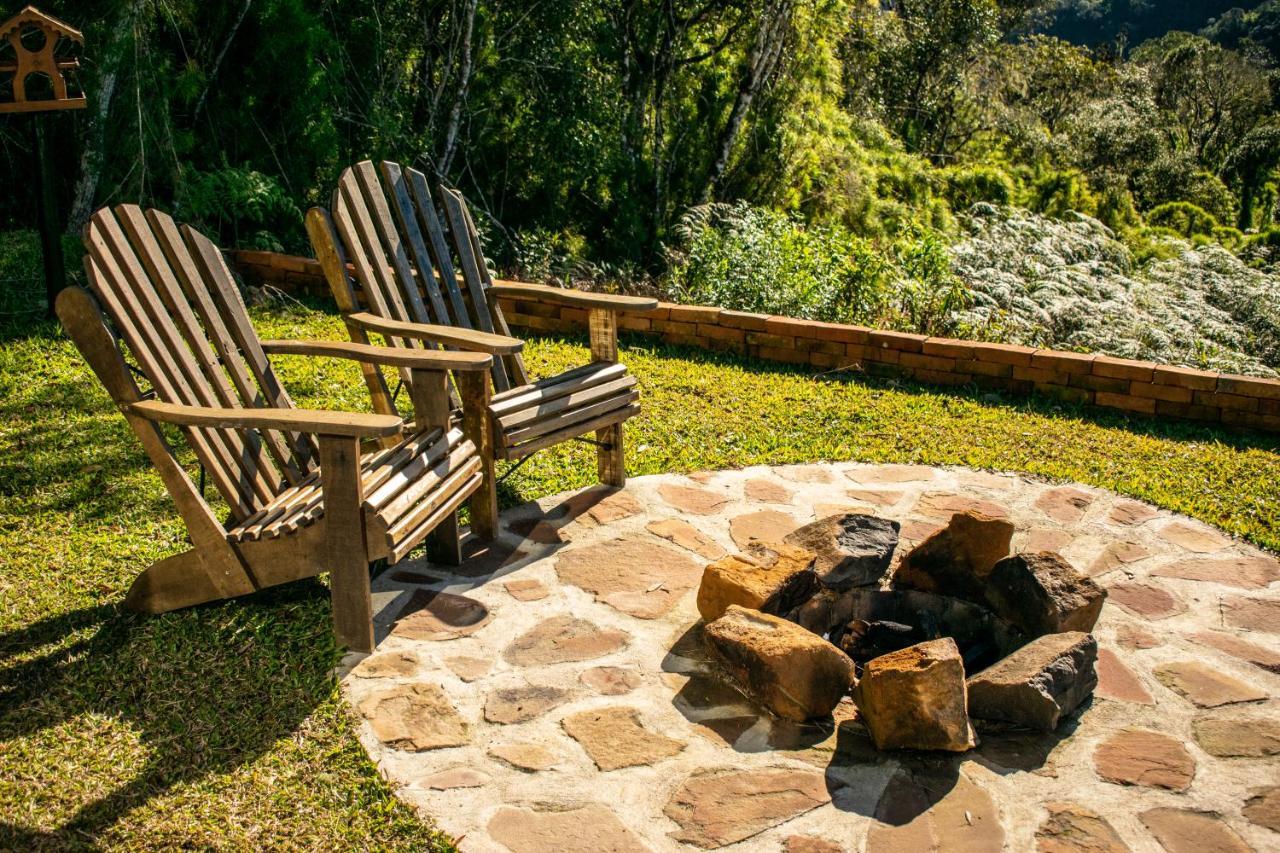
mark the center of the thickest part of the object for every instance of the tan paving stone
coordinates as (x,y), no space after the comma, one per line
(615,738)
(610,680)
(693,500)
(589,829)
(415,717)
(510,705)
(1242,572)
(1186,831)
(719,807)
(1065,505)
(1194,537)
(1252,614)
(563,639)
(1240,648)
(892,474)
(766,491)
(1263,807)
(684,534)
(1236,734)
(1206,686)
(1075,829)
(768,525)
(1117,681)
(528,757)
(1145,599)
(1132,513)
(1145,758)
(526,589)
(655,580)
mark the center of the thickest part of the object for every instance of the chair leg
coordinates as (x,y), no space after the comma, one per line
(477,425)
(444,544)
(347,557)
(609,456)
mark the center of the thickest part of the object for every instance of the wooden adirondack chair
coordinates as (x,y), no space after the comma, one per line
(385,230)
(162,295)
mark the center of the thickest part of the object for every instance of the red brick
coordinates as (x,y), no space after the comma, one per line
(941,377)
(743,320)
(828,347)
(721,333)
(671,327)
(1252,420)
(250,256)
(1037,374)
(1099,383)
(1143,405)
(767,340)
(662,312)
(540,309)
(882,368)
(901,341)
(1168,393)
(788,326)
(685,340)
(1233,402)
(928,362)
(1065,393)
(293,263)
(949,348)
(1017,356)
(634,324)
(1269,407)
(693,314)
(837,332)
(1185,377)
(790,356)
(855,352)
(882,355)
(545,324)
(1123,368)
(1189,411)
(827,360)
(986,368)
(1063,362)
(1249,386)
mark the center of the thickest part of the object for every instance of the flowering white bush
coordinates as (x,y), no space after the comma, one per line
(1072,285)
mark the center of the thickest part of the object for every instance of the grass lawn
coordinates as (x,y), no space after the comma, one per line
(221,726)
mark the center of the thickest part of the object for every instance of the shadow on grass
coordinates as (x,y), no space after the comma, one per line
(202,691)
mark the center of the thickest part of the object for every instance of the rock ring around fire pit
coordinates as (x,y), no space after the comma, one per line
(559,692)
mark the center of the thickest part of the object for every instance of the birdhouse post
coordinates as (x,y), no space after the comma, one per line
(37,76)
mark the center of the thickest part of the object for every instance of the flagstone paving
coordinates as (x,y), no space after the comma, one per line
(552,694)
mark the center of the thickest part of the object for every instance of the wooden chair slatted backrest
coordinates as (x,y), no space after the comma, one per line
(175,307)
(403,257)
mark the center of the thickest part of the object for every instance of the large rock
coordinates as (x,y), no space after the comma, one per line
(792,672)
(956,560)
(853,549)
(1043,594)
(916,699)
(769,578)
(1039,684)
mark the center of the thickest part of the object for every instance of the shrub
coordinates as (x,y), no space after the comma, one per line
(245,207)
(1060,193)
(969,185)
(1183,218)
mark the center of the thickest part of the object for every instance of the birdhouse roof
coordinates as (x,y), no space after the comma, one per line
(32,15)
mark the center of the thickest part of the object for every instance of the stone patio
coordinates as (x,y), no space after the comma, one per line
(564,702)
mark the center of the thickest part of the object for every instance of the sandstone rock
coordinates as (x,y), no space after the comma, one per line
(1116,681)
(539,531)
(809,844)
(456,777)
(682,533)
(945,506)
(525,589)
(956,560)
(654,580)
(1186,831)
(1075,829)
(1144,599)
(1240,648)
(724,730)
(387,665)
(610,680)
(614,738)
(1046,539)
(468,668)
(1113,556)
(916,699)
(415,717)
(432,615)
(1134,637)
(1039,684)
(1043,594)
(517,704)
(528,757)
(1252,614)
(878,497)
(1149,759)
(767,525)
(590,829)
(698,693)
(769,578)
(716,808)
(804,473)
(693,500)
(1205,685)
(1199,538)
(934,812)
(1235,735)
(1065,504)
(614,507)
(1242,572)
(792,672)
(765,491)
(562,639)
(1263,807)
(853,550)
(891,474)
(1132,513)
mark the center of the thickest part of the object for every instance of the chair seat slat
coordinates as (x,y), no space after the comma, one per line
(566,419)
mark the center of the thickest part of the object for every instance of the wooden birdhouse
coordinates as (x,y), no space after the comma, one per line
(37,65)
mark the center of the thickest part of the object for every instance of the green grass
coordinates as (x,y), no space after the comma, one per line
(221,727)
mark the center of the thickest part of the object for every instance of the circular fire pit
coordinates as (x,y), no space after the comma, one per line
(555,691)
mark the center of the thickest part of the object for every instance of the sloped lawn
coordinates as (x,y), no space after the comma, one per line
(221,726)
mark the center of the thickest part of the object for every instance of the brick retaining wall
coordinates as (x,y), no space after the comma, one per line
(1133,386)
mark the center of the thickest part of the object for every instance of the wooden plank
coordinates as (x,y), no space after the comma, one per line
(410,540)
(345,550)
(466,339)
(565,419)
(571,298)
(611,464)
(603,325)
(559,386)
(407,218)
(462,456)
(366,233)
(429,393)
(318,421)
(406,296)
(577,399)
(546,382)
(439,248)
(403,475)
(466,242)
(477,425)
(573,432)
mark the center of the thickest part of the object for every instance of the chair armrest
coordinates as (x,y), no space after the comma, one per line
(467,339)
(572,298)
(390,356)
(314,421)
